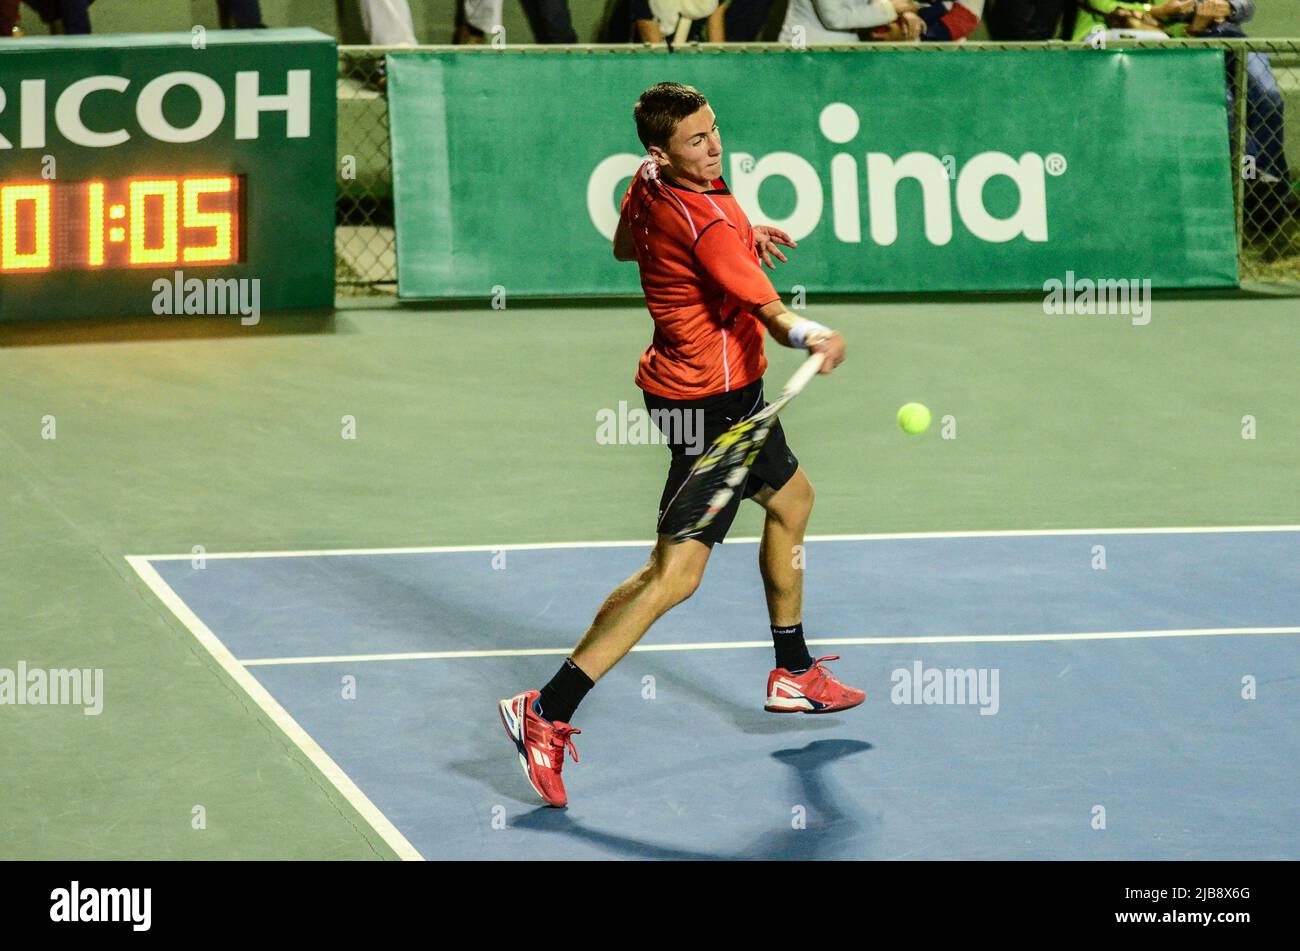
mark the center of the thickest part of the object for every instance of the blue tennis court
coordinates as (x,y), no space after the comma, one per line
(1104,695)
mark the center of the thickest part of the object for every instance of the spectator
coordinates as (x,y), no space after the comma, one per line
(650,22)
(549,20)
(388,22)
(950,22)
(240,14)
(843,21)
(474,20)
(1096,16)
(738,21)
(1269,196)
(74,15)
(639,21)
(735,21)
(9,15)
(657,21)
(1029,20)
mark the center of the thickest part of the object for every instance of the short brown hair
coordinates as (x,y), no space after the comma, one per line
(661,107)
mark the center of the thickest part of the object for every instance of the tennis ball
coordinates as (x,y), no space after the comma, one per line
(914,418)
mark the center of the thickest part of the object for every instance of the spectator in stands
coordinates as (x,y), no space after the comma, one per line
(950,22)
(646,25)
(733,21)
(812,22)
(1029,20)
(9,15)
(1269,196)
(549,20)
(656,21)
(240,14)
(893,21)
(740,21)
(388,22)
(1107,16)
(74,15)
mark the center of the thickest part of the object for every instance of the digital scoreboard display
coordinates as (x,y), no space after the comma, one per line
(134,222)
(185,158)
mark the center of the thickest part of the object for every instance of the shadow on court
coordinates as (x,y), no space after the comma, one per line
(822,827)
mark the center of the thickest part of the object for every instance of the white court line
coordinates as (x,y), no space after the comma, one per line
(885,536)
(735,645)
(332,771)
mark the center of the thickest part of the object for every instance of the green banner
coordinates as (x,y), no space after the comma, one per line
(894,170)
(167,174)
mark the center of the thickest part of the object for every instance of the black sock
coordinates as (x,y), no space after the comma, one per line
(562,695)
(791,651)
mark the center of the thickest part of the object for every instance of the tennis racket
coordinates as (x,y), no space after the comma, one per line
(723,467)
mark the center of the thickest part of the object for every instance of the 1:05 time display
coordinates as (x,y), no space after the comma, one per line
(121,223)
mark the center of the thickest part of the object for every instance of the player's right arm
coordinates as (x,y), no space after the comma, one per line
(624,245)
(781,323)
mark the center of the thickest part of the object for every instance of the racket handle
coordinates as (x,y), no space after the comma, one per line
(803,375)
(683,28)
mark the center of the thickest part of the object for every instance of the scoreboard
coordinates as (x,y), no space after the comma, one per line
(128,158)
(135,222)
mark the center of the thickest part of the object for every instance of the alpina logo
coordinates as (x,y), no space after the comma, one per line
(944,185)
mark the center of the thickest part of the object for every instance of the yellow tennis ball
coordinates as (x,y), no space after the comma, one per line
(914,418)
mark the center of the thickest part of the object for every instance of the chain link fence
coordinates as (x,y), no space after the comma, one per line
(1263,87)
(365,244)
(1264,79)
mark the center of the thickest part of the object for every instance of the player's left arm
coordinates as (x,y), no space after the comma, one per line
(733,267)
(766,239)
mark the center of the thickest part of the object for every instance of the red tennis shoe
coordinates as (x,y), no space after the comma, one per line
(813,691)
(541,745)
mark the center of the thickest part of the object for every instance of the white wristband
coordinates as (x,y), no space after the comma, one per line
(800,331)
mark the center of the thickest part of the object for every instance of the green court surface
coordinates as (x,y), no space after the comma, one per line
(476,426)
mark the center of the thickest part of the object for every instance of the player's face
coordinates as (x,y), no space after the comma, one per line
(695,150)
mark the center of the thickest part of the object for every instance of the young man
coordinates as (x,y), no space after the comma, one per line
(710,300)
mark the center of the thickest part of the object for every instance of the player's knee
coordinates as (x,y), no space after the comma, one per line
(678,583)
(796,500)
(684,585)
(809,496)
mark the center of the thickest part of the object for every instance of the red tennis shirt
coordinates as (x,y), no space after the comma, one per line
(702,281)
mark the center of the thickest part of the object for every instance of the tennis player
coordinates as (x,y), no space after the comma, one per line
(712,304)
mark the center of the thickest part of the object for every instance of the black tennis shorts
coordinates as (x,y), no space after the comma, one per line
(710,418)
